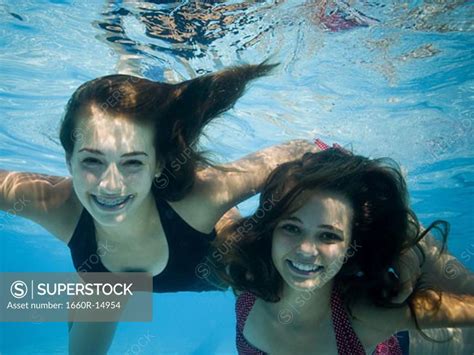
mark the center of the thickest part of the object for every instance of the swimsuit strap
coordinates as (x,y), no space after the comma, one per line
(83,246)
(347,341)
(188,251)
(390,346)
(243,306)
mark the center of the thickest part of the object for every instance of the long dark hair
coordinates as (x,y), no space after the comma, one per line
(177,112)
(383,225)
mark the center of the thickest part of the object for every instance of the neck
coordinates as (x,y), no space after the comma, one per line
(133,227)
(310,306)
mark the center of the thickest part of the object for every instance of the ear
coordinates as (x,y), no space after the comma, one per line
(159,168)
(68,164)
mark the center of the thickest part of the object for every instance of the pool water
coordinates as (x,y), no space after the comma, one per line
(382,78)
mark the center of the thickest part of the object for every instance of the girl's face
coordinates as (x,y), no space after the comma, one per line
(309,247)
(113,165)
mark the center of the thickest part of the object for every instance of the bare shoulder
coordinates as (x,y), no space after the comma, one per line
(209,181)
(374,324)
(229,184)
(197,208)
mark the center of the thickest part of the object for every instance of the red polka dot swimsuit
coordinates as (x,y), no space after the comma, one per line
(347,341)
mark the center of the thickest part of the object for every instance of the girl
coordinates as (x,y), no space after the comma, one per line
(140,196)
(313,272)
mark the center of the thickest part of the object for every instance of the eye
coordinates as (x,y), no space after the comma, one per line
(291,228)
(329,237)
(134,163)
(91,161)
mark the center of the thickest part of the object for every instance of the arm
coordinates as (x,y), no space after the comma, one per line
(461,341)
(47,200)
(247,175)
(444,270)
(91,337)
(230,217)
(88,333)
(454,310)
(441,271)
(374,324)
(434,268)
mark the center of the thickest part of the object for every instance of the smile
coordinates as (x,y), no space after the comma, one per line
(304,269)
(111,204)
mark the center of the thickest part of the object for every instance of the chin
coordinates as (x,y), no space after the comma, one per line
(109,221)
(307,285)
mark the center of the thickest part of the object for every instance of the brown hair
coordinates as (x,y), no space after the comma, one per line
(177,112)
(383,225)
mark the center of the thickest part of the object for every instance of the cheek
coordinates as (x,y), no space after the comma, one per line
(281,246)
(335,255)
(142,177)
(333,250)
(83,176)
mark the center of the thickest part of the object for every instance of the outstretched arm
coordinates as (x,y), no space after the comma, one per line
(444,310)
(444,270)
(374,324)
(46,200)
(452,307)
(246,177)
(425,265)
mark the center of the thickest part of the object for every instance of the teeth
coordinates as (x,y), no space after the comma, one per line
(111,202)
(305,267)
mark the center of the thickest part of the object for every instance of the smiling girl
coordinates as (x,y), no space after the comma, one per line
(314,273)
(139,189)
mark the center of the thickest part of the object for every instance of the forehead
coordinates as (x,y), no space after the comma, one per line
(106,132)
(317,208)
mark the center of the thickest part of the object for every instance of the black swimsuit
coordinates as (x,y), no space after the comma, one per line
(188,248)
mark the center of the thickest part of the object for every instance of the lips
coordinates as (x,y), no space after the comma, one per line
(304,268)
(111,203)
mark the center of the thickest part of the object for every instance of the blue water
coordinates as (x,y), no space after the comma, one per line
(402,86)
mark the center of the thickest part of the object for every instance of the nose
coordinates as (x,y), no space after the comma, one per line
(111,181)
(308,249)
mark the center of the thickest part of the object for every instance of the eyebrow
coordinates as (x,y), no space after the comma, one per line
(328,226)
(325,226)
(95,151)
